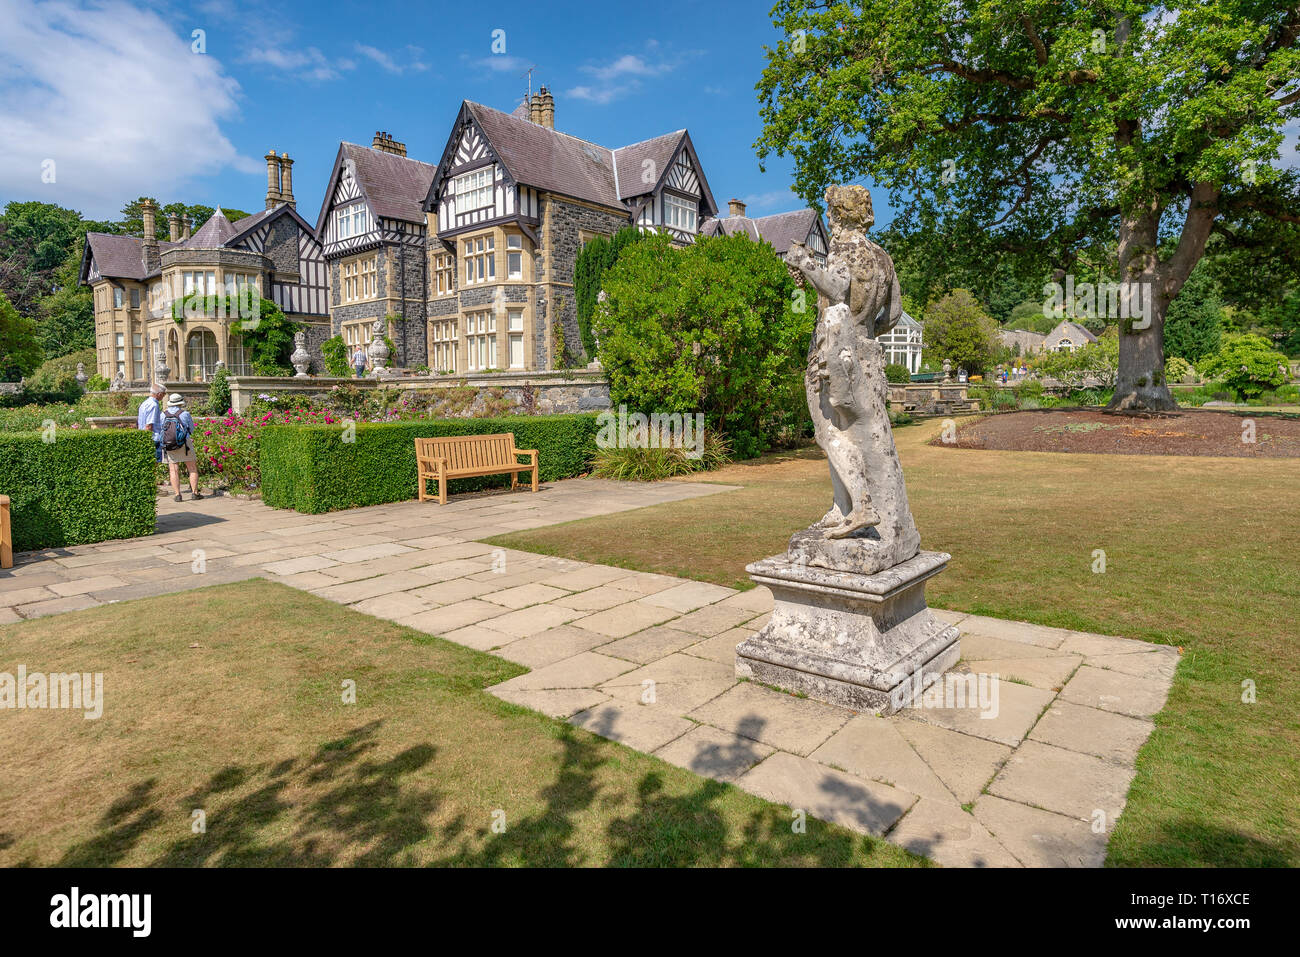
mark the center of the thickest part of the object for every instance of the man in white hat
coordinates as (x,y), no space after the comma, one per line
(177,437)
(149,418)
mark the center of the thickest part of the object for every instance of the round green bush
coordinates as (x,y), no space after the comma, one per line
(897,373)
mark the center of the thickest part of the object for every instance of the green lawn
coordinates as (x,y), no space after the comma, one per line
(1200,553)
(229,700)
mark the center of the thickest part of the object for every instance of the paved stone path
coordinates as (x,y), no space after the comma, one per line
(648,660)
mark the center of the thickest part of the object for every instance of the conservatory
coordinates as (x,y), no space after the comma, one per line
(902,344)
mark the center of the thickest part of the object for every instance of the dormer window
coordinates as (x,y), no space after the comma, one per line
(353,221)
(473,190)
(679,213)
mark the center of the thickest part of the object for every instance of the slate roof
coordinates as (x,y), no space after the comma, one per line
(1069,330)
(394,186)
(121,257)
(779,229)
(630,162)
(548,159)
(213,234)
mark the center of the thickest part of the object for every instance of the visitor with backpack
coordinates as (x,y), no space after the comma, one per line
(178,444)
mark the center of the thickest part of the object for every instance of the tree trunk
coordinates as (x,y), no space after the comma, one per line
(1140,383)
(1140,380)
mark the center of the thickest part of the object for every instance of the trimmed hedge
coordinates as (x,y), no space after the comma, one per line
(311,469)
(82,487)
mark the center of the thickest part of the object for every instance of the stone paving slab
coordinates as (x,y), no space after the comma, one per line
(649,660)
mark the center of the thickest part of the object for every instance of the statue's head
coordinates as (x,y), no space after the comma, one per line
(849,207)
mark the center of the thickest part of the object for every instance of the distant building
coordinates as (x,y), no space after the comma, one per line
(136,279)
(1067,337)
(902,344)
(782,230)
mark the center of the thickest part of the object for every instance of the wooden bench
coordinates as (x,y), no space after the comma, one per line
(6,535)
(465,456)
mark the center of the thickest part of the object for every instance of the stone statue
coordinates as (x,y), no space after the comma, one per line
(82,378)
(849,621)
(378,350)
(300,358)
(160,371)
(848,395)
(119,382)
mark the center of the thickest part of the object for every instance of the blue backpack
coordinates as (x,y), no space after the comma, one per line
(175,432)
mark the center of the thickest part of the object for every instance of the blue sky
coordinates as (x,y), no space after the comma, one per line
(114,94)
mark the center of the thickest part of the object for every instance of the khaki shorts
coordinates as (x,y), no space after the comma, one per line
(183,456)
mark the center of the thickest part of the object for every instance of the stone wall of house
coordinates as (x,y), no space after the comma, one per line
(282,247)
(529,393)
(410,337)
(563,224)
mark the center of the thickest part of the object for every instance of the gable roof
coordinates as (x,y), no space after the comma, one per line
(393,186)
(1071,330)
(558,162)
(536,156)
(120,257)
(779,229)
(249,223)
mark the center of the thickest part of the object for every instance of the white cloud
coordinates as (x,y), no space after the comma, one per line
(625,74)
(389,62)
(629,65)
(305,64)
(778,200)
(115,98)
(597,94)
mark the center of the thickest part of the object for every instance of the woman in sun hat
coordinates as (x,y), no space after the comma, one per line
(178,444)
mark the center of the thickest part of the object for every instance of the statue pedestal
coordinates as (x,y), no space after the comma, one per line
(866,642)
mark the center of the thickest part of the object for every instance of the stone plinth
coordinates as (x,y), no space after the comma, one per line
(866,642)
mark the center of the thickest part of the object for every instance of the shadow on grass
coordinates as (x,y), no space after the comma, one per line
(342,807)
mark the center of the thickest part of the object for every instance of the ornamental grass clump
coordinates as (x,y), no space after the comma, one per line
(637,464)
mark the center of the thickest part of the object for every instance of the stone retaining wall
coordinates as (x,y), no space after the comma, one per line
(545,392)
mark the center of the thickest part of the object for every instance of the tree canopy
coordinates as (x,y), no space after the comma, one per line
(1043,133)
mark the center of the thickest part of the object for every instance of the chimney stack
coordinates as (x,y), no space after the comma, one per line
(286,180)
(547,109)
(173,226)
(272,180)
(185,229)
(386,144)
(149,247)
(735,207)
(535,109)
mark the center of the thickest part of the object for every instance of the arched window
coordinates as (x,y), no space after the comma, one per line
(200,355)
(237,357)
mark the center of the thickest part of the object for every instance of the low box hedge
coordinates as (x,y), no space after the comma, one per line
(311,469)
(82,487)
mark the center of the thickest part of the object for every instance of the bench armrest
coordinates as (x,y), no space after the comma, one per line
(530,452)
(430,465)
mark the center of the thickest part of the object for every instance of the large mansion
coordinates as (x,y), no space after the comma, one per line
(140,281)
(467,264)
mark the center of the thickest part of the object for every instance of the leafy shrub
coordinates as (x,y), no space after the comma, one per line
(268,338)
(97,383)
(897,373)
(335,352)
(1247,363)
(589,269)
(57,378)
(82,487)
(1176,368)
(311,469)
(709,328)
(219,392)
(652,464)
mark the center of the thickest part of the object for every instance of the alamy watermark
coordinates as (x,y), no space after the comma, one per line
(75,691)
(1100,300)
(659,430)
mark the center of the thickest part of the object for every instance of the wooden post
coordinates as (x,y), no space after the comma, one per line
(6,535)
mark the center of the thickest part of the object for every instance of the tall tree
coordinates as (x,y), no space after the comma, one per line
(1025,131)
(66,317)
(20,353)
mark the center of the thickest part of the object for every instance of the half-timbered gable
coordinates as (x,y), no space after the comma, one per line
(512,203)
(373,236)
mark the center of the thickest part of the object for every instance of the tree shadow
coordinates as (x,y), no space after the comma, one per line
(343,806)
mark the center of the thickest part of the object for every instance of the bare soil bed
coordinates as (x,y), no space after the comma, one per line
(1189,432)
